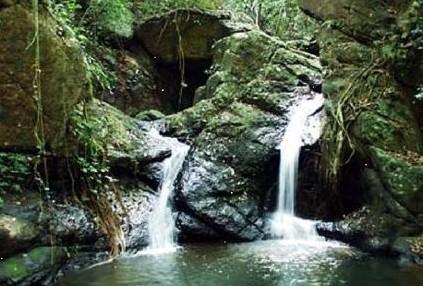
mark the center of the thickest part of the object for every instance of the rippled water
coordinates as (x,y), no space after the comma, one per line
(266,263)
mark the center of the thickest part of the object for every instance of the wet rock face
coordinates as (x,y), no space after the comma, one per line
(29,220)
(135,224)
(229,176)
(69,226)
(63,78)
(384,225)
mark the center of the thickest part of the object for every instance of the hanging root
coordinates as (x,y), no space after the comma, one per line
(108,221)
(336,138)
(181,58)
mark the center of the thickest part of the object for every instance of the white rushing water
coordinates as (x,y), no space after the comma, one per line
(161,224)
(284,223)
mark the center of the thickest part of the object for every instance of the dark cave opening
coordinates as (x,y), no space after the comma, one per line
(178,83)
(316,201)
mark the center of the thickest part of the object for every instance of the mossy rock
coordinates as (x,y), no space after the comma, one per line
(390,125)
(63,79)
(16,234)
(235,130)
(253,68)
(97,123)
(32,267)
(191,31)
(402,173)
(362,19)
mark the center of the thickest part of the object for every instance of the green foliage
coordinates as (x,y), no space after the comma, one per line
(97,73)
(99,17)
(66,13)
(83,25)
(419,95)
(91,160)
(15,171)
(282,18)
(147,8)
(98,128)
(405,43)
(111,16)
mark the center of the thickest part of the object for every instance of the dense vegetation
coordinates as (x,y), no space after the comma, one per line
(84,80)
(91,24)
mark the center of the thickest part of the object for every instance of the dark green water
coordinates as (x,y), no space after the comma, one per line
(266,263)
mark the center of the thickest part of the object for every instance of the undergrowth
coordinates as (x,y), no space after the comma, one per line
(16,173)
(80,25)
(282,18)
(98,128)
(147,8)
(342,112)
(397,51)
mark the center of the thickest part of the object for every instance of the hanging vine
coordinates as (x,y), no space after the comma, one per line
(42,179)
(337,139)
(181,60)
(39,128)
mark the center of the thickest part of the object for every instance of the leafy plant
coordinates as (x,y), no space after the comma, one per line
(282,18)
(147,8)
(91,159)
(404,44)
(98,128)
(82,25)
(15,172)
(111,16)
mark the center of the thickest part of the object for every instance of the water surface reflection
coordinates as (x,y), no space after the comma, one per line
(264,263)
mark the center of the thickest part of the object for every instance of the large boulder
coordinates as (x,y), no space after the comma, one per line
(185,34)
(401,174)
(365,20)
(79,218)
(369,88)
(230,174)
(39,264)
(63,79)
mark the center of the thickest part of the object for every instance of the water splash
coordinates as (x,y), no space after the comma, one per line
(161,224)
(284,223)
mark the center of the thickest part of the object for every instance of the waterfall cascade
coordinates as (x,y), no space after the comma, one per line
(161,223)
(284,223)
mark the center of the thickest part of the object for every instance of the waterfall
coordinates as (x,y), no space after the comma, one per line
(284,223)
(161,223)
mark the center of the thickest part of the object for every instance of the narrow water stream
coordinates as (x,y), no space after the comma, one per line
(161,224)
(284,223)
